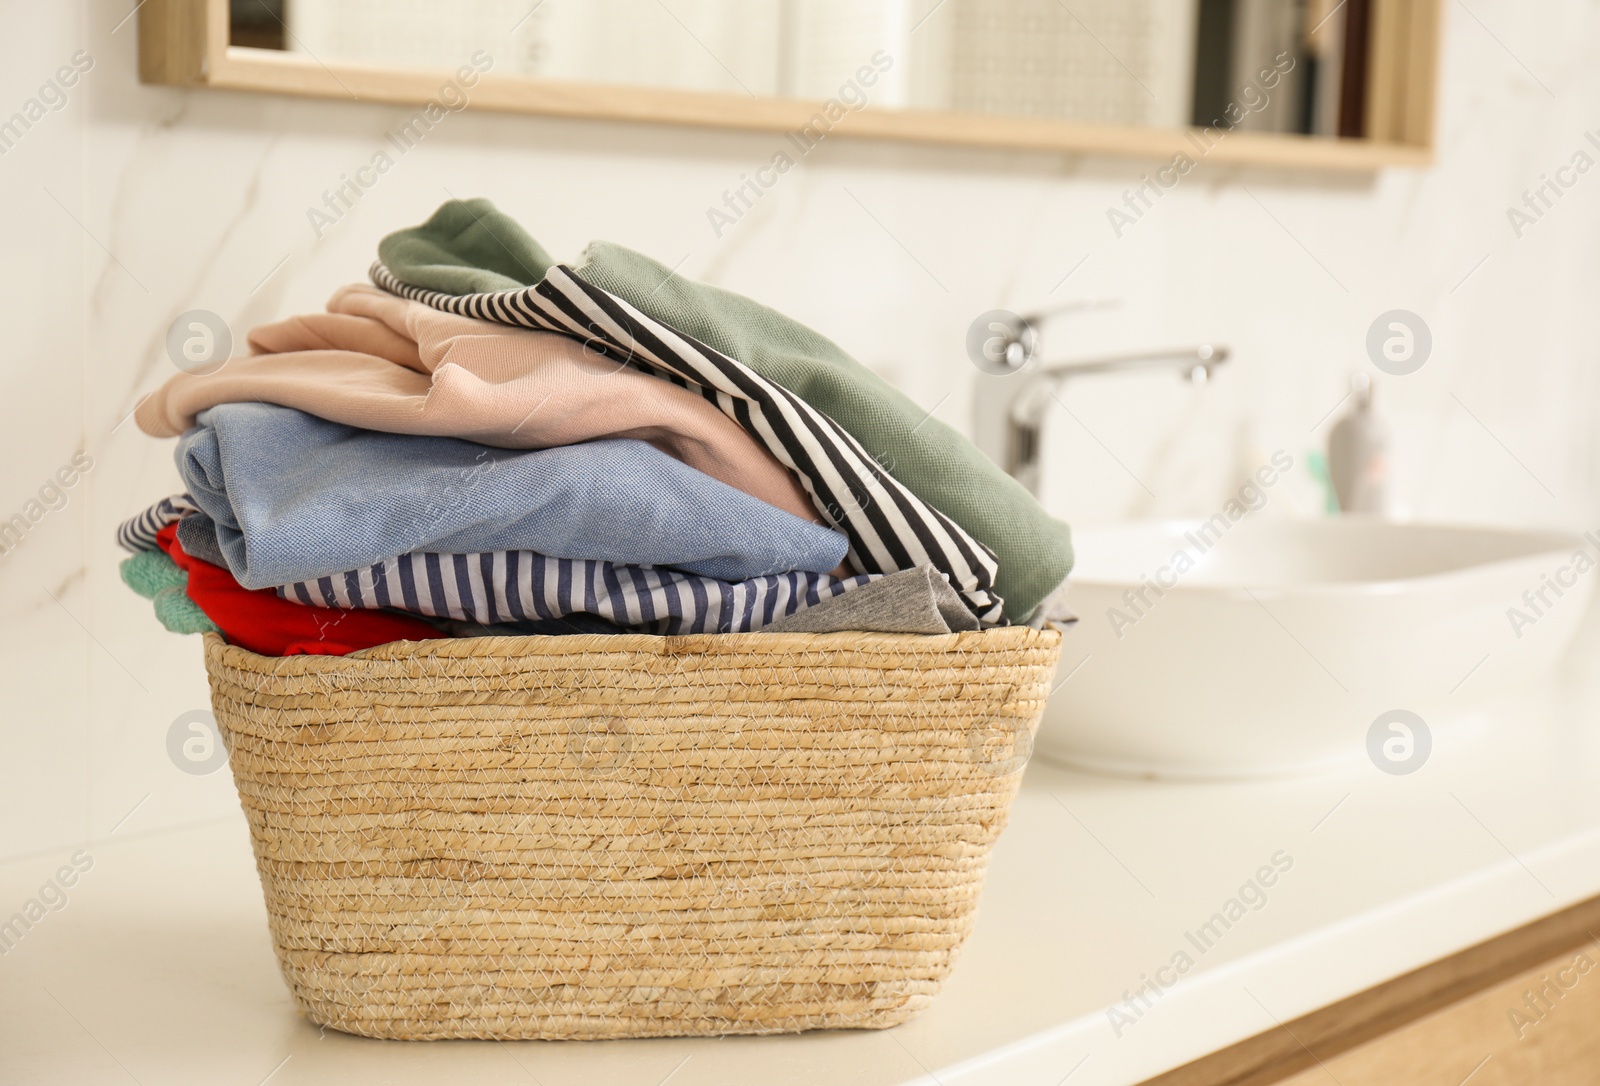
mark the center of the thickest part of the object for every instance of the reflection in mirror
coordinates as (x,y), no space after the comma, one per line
(1292,66)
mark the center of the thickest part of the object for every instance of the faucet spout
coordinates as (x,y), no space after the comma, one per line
(1026,410)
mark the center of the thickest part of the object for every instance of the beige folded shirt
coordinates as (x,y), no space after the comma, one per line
(380,362)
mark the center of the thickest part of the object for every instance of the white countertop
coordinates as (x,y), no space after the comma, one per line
(158,968)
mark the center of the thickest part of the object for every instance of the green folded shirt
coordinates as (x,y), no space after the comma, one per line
(469,247)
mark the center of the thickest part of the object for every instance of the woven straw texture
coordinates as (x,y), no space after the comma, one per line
(627,836)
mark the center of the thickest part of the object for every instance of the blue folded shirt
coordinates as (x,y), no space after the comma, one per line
(296,497)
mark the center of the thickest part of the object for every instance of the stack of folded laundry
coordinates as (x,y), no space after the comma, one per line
(486,442)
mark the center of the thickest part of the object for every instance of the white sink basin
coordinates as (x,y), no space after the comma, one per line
(1276,648)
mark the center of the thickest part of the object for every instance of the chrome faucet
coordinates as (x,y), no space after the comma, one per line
(1009,414)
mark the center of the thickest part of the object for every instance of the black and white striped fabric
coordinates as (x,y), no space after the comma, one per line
(889,527)
(139,533)
(523,586)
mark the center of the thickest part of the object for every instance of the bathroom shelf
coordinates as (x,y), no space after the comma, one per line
(185,43)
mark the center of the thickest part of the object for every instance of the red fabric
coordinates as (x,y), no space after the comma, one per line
(262,621)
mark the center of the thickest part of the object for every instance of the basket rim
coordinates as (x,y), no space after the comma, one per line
(999,638)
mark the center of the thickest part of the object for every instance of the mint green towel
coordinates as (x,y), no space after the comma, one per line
(470,247)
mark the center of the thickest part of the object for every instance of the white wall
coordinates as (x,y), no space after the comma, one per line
(133,204)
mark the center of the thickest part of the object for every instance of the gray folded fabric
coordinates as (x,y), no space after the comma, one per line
(915,601)
(1053,612)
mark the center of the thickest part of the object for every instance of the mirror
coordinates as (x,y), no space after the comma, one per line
(1337,82)
(1126,62)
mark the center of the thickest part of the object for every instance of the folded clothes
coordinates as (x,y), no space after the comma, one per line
(262,622)
(915,601)
(473,251)
(380,362)
(890,527)
(512,592)
(296,497)
(153,575)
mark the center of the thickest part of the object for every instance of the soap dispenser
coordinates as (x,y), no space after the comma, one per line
(1358,454)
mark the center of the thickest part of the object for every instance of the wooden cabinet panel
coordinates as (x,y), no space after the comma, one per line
(1523,1007)
(1542,1026)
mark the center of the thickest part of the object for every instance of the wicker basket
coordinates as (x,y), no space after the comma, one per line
(627,836)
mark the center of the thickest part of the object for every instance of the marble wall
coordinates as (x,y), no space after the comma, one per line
(129,205)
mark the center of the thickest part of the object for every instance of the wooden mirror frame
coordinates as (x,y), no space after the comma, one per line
(185,43)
